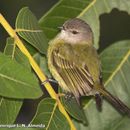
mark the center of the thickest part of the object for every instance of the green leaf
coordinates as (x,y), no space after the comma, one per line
(116,70)
(99,7)
(73,108)
(49,115)
(16,80)
(113,56)
(42,62)
(9,109)
(28,28)
(12,51)
(62,11)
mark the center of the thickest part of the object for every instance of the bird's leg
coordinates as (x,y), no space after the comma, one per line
(98,99)
(49,80)
(67,95)
(61,95)
(53,81)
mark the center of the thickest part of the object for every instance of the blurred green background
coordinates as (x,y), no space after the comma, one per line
(115,26)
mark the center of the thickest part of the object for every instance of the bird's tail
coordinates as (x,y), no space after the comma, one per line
(116,102)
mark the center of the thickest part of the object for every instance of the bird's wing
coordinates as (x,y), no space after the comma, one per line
(77,79)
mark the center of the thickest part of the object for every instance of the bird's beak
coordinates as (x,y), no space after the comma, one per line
(60,28)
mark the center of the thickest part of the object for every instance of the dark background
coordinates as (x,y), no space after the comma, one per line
(115,26)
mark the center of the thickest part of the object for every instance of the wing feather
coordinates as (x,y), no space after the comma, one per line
(77,79)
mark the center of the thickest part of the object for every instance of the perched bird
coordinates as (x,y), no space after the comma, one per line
(74,63)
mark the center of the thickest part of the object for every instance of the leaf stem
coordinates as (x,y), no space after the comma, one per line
(36,68)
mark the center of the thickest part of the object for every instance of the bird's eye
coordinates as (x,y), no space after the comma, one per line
(75,32)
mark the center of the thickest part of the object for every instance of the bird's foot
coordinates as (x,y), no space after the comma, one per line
(61,95)
(49,80)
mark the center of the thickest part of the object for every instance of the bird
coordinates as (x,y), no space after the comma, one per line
(74,62)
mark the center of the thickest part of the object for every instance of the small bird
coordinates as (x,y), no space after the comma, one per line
(75,64)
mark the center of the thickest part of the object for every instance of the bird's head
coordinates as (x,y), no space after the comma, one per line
(75,31)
